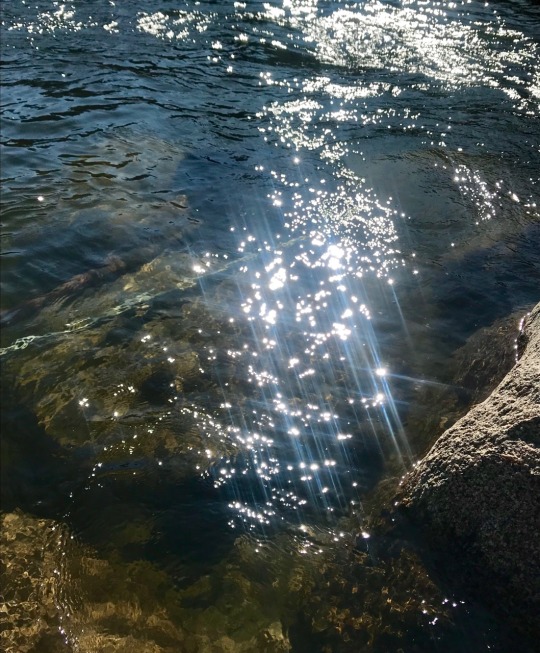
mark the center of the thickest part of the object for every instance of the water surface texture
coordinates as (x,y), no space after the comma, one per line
(243,245)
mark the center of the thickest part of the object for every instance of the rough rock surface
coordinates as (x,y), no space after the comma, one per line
(478,490)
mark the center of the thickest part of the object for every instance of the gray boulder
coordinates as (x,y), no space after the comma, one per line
(477,491)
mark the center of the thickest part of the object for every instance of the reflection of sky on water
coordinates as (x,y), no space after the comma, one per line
(454,44)
(430,39)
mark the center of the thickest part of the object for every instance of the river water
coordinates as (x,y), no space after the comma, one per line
(243,245)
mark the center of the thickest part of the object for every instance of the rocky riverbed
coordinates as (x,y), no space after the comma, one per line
(361,587)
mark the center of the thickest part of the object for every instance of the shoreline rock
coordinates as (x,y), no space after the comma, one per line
(477,491)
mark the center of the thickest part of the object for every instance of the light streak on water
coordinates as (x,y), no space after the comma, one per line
(321,408)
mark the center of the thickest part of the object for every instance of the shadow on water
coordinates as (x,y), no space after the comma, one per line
(31,463)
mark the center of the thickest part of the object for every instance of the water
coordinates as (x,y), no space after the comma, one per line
(242,243)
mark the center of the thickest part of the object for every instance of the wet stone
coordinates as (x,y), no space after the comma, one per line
(473,372)
(477,490)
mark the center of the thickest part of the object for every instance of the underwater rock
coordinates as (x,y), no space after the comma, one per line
(127,380)
(478,489)
(57,596)
(322,594)
(31,574)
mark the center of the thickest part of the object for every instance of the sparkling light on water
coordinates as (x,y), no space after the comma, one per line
(307,266)
(293,190)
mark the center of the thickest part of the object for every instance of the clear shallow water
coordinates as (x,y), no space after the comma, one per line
(241,243)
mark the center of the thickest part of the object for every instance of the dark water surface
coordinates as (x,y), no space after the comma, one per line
(243,245)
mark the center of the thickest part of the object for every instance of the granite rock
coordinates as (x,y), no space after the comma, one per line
(477,491)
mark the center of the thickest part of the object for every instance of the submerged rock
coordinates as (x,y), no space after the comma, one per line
(479,488)
(130,389)
(57,595)
(31,572)
(490,353)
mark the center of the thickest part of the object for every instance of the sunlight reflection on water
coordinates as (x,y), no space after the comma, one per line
(305,277)
(313,346)
(336,160)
